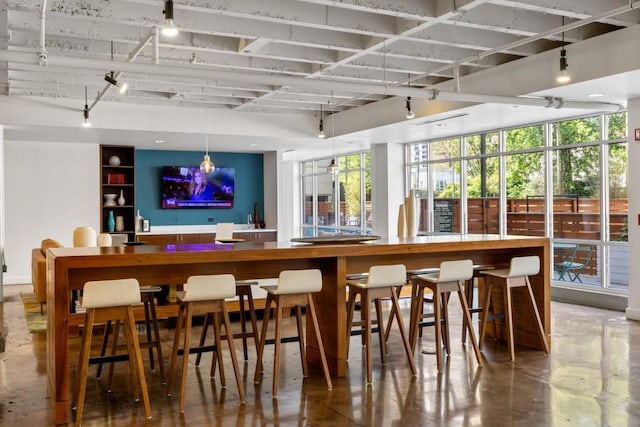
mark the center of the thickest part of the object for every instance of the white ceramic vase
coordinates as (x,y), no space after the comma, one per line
(121,200)
(114,161)
(110,199)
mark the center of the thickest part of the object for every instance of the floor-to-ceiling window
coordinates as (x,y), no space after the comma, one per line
(337,200)
(566,180)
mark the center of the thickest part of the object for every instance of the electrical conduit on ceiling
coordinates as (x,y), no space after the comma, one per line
(203,73)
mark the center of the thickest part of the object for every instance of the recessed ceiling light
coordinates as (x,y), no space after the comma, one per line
(253,145)
(595,95)
(158,141)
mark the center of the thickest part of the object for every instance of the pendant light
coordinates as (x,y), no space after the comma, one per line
(410,114)
(169,29)
(321,134)
(85,112)
(563,76)
(207,165)
(111,78)
(332,169)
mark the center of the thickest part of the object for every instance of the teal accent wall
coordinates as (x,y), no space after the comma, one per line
(249,187)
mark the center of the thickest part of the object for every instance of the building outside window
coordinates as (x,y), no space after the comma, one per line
(337,202)
(566,180)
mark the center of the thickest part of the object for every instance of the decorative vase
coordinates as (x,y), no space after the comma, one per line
(104,240)
(111,222)
(119,223)
(410,208)
(110,199)
(84,237)
(121,200)
(402,227)
(114,161)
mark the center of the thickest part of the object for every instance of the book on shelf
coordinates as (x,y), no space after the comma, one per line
(115,178)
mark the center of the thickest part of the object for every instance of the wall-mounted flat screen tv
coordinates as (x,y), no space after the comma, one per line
(188,187)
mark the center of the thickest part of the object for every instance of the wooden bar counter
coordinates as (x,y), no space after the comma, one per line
(70,268)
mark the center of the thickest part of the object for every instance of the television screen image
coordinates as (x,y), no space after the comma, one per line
(188,187)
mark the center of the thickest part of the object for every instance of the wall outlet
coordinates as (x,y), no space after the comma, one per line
(210,219)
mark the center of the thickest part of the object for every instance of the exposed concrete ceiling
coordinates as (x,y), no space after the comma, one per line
(288,57)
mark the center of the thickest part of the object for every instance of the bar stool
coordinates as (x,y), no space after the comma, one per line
(451,278)
(294,289)
(243,289)
(469,288)
(111,300)
(150,322)
(517,275)
(204,295)
(381,283)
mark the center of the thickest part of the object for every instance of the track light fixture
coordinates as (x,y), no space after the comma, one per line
(410,114)
(85,112)
(169,29)
(563,76)
(321,134)
(122,87)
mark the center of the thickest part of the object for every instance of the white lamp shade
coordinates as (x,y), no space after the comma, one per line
(84,237)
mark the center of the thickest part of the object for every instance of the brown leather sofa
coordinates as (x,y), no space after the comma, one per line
(39,269)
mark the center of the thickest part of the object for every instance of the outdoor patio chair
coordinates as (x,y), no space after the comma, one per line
(573,265)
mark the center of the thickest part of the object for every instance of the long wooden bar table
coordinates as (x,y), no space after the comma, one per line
(69,268)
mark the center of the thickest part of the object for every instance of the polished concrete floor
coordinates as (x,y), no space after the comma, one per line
(587,380)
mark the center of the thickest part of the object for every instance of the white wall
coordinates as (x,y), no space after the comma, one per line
(50,189)
(633,309)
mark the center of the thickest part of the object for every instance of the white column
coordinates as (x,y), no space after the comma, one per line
(1,210)
(388,187)
(633,120)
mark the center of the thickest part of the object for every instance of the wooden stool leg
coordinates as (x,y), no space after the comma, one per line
(147,326)
(485,312)
(366,312)
(467,320)
(243,325)
(158,344)
(316,328)
(232,350)
(468,294)
(263,338)
(254,320)
(114,348)
(445,321)
(103,348)
(380,321)
(203,336)
(217,355)
(137,356)
(413,316)
(174,352)
(405,341)
(83,366)
(185,355)
(303,352)
(509,320)
(277,344)
(537,314)
(438,327)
